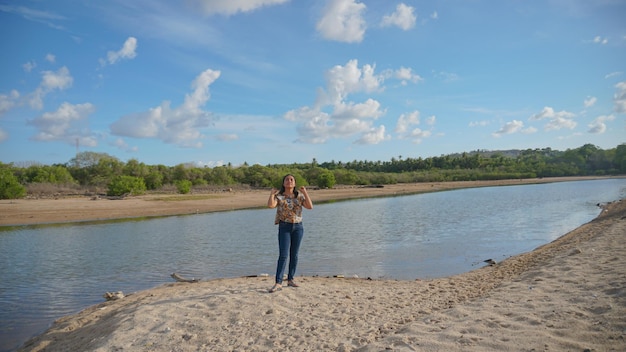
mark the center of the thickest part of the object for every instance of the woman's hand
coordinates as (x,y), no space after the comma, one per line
(272,202)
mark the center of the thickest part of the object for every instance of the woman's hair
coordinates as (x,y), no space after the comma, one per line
(282,186)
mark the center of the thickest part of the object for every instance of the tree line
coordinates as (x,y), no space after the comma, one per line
(100,171)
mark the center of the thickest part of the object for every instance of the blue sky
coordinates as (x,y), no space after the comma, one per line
(212,82)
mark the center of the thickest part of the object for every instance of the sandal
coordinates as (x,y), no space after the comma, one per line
(276,287)
(292,283)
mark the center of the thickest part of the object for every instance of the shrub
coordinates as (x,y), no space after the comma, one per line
(154,180)
(183,186)
(124,185)
(10,188)
(326,179)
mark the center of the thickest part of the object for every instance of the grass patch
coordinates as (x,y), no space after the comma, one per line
(184,197)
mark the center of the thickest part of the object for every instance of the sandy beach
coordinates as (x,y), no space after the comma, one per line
(568,295)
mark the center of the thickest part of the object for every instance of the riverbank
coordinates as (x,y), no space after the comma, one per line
(569,294)
(89,208)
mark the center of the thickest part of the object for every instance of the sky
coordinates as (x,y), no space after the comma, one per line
(216,82)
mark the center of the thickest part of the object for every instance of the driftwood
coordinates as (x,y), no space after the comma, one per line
(112,296)
(182,279)
(491,262)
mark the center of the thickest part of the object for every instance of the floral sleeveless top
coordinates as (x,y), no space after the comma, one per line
(289,209)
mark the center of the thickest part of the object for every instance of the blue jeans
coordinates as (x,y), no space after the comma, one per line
(289,238)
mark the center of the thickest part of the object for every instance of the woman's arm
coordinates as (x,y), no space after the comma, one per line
(308,203)
(272,202)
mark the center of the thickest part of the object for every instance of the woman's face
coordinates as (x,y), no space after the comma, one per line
(289,182)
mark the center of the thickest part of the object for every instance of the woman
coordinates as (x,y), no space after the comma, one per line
(288,203)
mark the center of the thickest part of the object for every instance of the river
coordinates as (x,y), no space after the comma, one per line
(55,270)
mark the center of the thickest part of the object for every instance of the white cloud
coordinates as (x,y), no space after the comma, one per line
(558,123)
(509,128)
(7,102)
(346,120)
(417,135)
(598,125)
(29,66)
(549,113)
(61,79)
(3,135)
(343,21)
(619,98)
(403,17)
(345,111)
(600,40)
(514,126)
(57,80)
(50,58)
(374,136)
(128,51)
(333,116)
(227,137)
(590,101)
(65,124)
(314,125)
(231,7)
(479,123)
(405,75)
(556,120)
(434,15)
(178,126)
(407,120)
(344,80)
(613,74)
(529,130)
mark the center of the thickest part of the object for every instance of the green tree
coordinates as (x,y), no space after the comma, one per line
(10,188)
(105,171)
(55,174)
(87,159)
(135,168)
(619,159)
(165,171)
(259,176)
(153,180)
(346,177)
(219,176)
(183,186)
(196,176)
(277,178)
(326,179)
(126,185)
(97,169)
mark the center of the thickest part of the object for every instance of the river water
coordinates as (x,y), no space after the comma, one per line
(55,270)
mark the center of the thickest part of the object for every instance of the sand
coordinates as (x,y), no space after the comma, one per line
(568,295)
